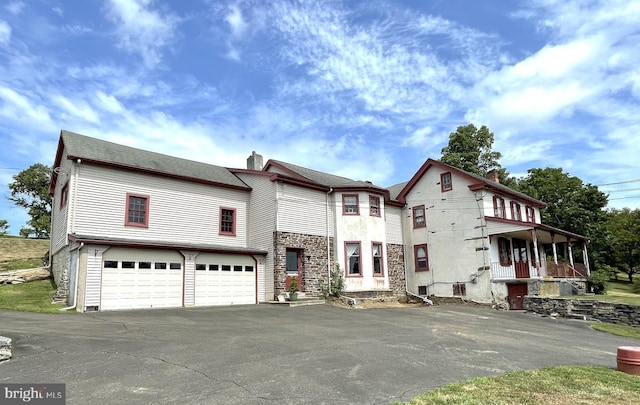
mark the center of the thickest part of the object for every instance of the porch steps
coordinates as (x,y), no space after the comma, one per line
(300,302)
(575,286)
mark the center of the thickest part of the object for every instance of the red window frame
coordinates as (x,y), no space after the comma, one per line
(64,195)
(446,185)
(344,206)
(505,251)
(380,258)
(347,268)
(127,221)
(498,207)
(222,230)
(531,213)
(417,267)
(376,199)
(516,211)
(416,223)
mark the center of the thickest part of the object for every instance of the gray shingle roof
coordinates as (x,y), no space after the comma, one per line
(325,179)
(396,189)
(100,151)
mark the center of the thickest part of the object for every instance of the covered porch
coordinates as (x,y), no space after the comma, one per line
(525,250)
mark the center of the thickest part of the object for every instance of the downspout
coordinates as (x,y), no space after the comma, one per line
(75,294)
(328,211)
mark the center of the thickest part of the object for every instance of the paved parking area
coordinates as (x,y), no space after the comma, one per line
(269,354)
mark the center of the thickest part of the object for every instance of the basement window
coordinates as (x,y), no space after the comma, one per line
(460,289)
(422,290)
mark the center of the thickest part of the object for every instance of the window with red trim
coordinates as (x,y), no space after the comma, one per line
(421,256)
(350,204)
(419,220)
(516,213)
(531,213)
(374,206)
(498,207)
(504,250)
(352,257)
(227,221)
(445,182)
(137,210)
(376,251)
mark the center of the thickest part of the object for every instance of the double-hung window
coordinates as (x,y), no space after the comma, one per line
(419,220)
(498,207)
(445,182)
(350,204)
(516,214)
(420,254)
(137,210)
(227,221)
(531,214)
(374,206)
(352,250)
(378,269)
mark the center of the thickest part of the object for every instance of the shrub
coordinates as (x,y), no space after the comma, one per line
(597,281)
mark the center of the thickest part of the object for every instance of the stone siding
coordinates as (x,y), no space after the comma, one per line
(314,252)
(591,309)
(60,271)
(395,262)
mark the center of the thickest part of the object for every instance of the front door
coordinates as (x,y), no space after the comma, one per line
(515,295)
(521,258)
(294,266)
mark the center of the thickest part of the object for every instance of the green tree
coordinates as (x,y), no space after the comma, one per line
(572,206)
(4,227)
(624,226)
(469,149)
(30,190)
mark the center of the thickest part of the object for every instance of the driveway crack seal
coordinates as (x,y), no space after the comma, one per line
(202,373)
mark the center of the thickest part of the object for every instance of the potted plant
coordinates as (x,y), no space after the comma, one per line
(293,289)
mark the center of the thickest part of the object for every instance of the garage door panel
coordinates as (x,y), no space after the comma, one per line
(224,287)
(131,288)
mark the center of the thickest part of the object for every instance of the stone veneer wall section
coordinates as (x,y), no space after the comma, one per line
(314,273)
(60,270)
(395,263)
(600,310)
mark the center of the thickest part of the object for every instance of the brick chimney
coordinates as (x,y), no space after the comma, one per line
(254,162)
(493,176)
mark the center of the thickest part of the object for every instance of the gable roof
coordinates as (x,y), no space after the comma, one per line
(325,179)
(97,151)
(478,183)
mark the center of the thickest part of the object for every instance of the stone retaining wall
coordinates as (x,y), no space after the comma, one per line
(598,310)
(5,348)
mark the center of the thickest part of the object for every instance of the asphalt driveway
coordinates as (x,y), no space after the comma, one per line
(270,354)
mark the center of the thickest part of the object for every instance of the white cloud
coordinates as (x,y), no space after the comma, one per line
(419,137)
(15,7)
(78,109)
(58,11)
(5,32)
(142,29)
(236,21)
(19,108)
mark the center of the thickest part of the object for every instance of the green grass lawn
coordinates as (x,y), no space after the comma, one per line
(618,292)
(552,385)
(34,296)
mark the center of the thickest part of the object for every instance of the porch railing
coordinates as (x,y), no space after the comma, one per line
(560,270)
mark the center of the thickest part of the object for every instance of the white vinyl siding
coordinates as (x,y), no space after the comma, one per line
(60,216)
(393,226)
(178,210)
(302,210)
(261,224)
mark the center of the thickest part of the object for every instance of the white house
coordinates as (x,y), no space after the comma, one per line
(137,229)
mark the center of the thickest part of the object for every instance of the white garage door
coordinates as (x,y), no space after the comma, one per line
(141,278)
(224,280)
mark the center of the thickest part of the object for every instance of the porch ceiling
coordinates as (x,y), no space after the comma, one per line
(522,230)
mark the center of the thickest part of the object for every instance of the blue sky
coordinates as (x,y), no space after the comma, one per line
(363,89)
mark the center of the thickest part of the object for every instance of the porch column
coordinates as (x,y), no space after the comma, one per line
(585,258)
(534,237)
(570,252)
(553,245)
